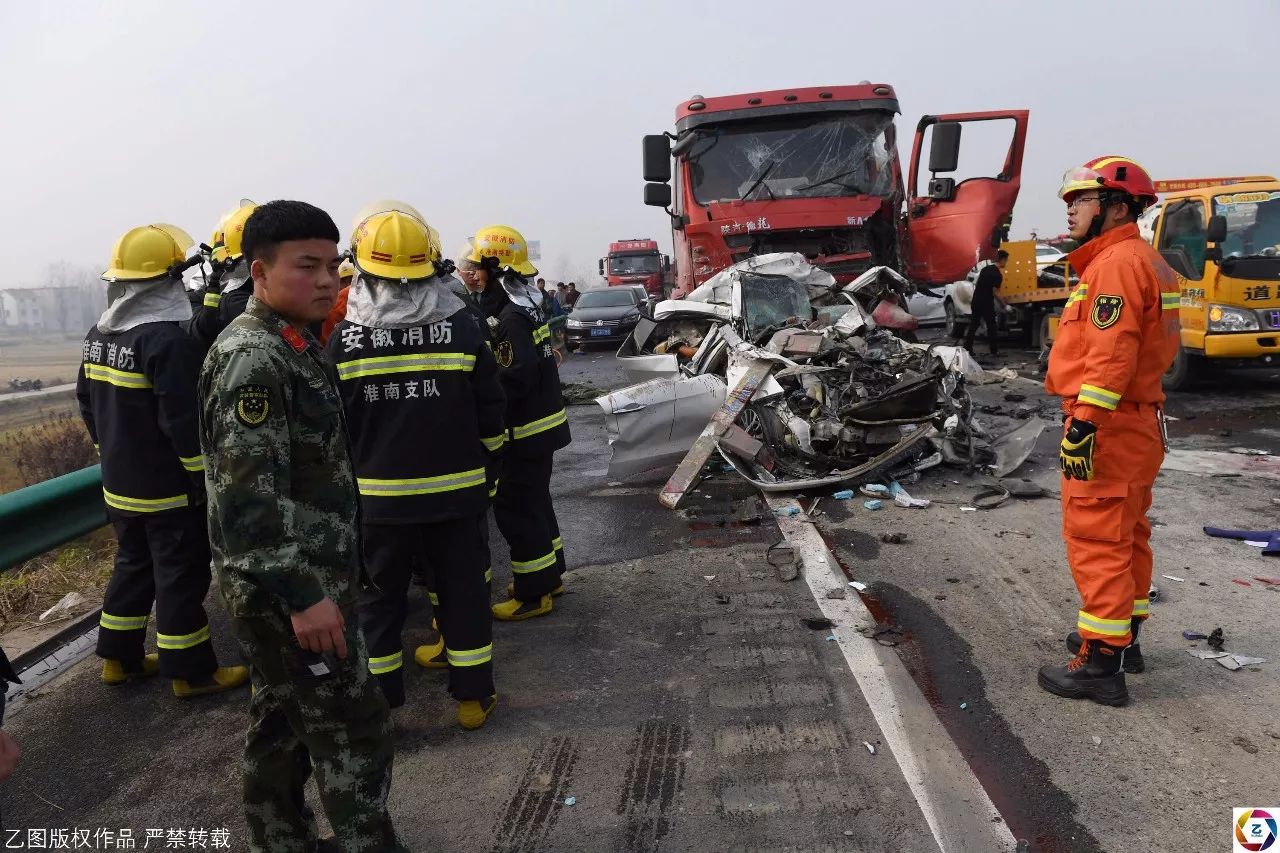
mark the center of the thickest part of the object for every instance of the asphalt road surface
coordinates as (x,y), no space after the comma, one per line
(676,700)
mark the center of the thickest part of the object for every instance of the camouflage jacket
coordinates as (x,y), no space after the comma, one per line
(283,519)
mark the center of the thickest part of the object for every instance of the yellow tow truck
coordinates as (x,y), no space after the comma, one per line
(1222,238)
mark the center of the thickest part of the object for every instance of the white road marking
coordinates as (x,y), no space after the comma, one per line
(958,810)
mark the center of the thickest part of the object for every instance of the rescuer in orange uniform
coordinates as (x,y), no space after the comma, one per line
(1117,337)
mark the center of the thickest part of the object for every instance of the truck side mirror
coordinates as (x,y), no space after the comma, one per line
(666,263)
(1217,229)
(944,148)
(601,265)
(657,195)
(657,158)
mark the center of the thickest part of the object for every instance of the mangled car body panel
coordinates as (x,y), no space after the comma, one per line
(842,398)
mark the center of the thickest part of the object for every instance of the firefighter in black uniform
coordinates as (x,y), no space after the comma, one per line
(496,270)
(424,408)
(229,288)
(206,322)
(137,394)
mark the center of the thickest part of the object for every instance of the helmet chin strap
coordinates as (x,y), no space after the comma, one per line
(1107,200)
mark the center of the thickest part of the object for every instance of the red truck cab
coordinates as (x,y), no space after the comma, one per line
(635,261)
(816,171)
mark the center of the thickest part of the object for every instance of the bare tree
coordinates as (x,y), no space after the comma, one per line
(76,295)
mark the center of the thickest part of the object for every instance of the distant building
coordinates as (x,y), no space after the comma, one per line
(50,309)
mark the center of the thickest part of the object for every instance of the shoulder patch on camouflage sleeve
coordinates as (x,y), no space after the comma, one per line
(1106,311)
(503,354)
(253,404)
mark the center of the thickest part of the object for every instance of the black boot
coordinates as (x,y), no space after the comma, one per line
(1133,662)
(1094,673)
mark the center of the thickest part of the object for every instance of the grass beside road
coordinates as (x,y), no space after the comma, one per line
(53,359)
(37,444)
(84,566)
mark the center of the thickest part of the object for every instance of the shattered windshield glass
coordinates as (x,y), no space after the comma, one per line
(634,264)
(810,155)
(771,300)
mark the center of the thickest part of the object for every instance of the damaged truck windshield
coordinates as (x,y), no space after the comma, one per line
(796,156)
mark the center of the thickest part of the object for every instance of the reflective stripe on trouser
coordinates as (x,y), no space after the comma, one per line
(1105,526)
(455,560)
(336,723)
(527,521)
(161,558)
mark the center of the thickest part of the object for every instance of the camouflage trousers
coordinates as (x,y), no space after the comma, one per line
(314,712)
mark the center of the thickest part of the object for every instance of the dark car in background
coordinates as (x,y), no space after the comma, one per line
(604,316)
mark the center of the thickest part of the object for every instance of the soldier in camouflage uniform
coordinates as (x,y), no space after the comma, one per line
(283,527)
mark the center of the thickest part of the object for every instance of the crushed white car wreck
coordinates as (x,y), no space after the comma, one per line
(834,394)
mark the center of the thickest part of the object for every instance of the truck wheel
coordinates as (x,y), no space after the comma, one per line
(956,326)
(1185,371)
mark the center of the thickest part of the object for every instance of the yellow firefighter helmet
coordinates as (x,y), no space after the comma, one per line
(147,252)
(394,245)
(504,243)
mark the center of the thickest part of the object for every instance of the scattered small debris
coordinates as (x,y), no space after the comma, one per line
(882,637)
(569,801)
(1153,594)
(964,705)
(1271,581)
(893,538)
(1194,635)
(1202,583)
(708,577)
(1245,744)
(721,598)
(1242,583)
(968,509)
(843,495)
(871,749)
(831,638)
(953,580)
(581,393)
(838,592)
(873,490)
(1174,578)
(873,504)
(1003,533)
(992,496)
(858,585)
(65,606)
(1097,741)
(1217,639)
(1249,451)
(817,623)
(939,597)
(1245,660)
(783,558)
(902,499)
(789,512)
(749,511)
(1014,397)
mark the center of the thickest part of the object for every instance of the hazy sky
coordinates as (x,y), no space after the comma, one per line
(118,114)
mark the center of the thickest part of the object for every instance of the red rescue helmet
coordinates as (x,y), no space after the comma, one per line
(1109,173)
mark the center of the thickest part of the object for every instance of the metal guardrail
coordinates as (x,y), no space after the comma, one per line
(39,518)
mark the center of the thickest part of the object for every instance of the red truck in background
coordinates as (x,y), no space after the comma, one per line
(636,262)
(816,171)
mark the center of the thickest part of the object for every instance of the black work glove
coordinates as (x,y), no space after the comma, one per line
(214,284)
(1075,456)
